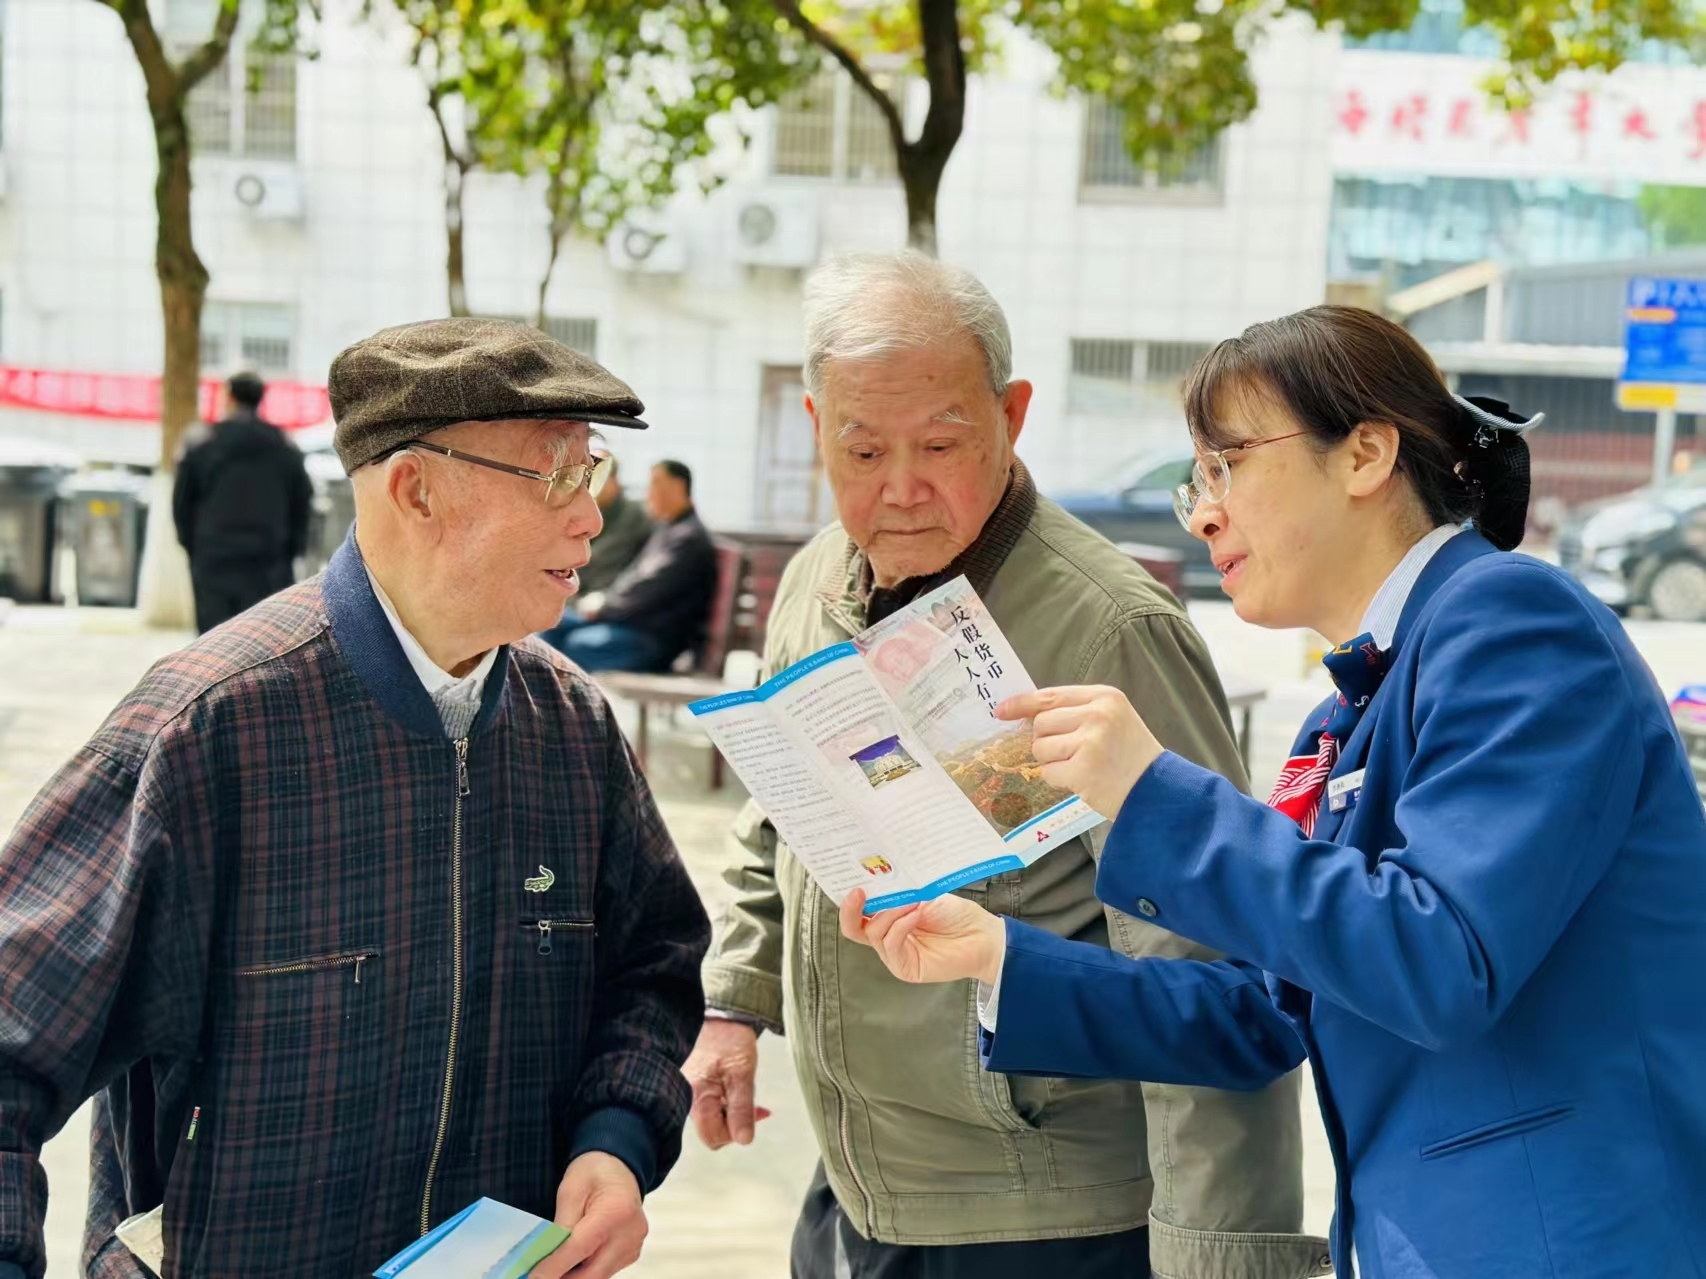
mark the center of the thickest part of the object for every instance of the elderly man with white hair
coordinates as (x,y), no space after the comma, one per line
(358,909)
(931,1168)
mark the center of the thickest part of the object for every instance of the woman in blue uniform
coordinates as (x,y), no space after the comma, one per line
(1477,899)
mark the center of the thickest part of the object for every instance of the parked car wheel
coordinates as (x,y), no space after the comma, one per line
(1678,591)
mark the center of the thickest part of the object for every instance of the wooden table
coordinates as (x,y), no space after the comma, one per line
(1241,697)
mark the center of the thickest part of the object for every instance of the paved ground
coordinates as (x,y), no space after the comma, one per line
(721,1216)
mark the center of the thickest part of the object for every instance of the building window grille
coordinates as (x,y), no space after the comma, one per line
(1107,168)
(253,336)
(1167,362)
(578,333)
(246,106)
(1104,376)
(1108,375)
(209,111)
(832,129)
(269,106)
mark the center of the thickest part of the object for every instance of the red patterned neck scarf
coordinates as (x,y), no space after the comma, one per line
(1357,667)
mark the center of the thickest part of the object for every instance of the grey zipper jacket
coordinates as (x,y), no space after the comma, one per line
(922,1146)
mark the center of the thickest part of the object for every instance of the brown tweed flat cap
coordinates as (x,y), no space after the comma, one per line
(401,383)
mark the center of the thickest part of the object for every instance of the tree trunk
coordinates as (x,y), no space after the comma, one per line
(562,205)
(455,178)
(545,280)
(164,585)
(183,285)
(921,180)
(922,161)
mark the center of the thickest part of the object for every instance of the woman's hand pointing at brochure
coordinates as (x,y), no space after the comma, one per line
(944,939)
(1088,740)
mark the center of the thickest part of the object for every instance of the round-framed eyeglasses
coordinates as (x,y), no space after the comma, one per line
(561,485)
(1211,478)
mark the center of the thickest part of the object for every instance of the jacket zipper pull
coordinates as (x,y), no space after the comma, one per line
(544,937)
(359,960)
(462,786)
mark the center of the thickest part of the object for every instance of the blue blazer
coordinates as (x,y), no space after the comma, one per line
(1494,958)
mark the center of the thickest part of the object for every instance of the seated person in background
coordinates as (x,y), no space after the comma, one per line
(626,529)
(659,604)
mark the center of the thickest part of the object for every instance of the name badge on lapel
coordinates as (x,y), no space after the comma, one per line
(1342,792)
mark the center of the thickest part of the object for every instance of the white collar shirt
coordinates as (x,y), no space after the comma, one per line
(439,683)
(1387,606)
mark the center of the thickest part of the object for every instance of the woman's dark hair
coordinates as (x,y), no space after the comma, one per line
(1335,367)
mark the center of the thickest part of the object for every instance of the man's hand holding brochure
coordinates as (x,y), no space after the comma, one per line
(882,763)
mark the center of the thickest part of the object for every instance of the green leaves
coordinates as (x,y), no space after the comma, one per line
(610,103)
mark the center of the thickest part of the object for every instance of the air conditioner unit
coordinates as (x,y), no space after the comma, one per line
(268,194)
(776,228)
(648,247)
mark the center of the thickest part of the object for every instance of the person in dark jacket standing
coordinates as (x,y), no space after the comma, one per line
(659,605)
(240,502)
(359,909)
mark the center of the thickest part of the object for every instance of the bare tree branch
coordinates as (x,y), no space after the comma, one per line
(790,10)
(202,60)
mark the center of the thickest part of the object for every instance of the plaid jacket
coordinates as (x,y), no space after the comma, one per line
(338,975)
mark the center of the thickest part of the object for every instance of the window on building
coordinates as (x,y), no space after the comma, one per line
(1108,170)
(832,129)
(269,106)
(208,111)
(1109,375)
(1403,230)
(578,333)
(257,336)
(791,490)
(246,105)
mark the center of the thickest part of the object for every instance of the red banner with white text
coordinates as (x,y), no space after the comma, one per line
(135,397)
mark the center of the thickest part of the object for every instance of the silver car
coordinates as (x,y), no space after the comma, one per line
(1644,548)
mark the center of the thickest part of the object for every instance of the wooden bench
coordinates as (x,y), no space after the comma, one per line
(749,569)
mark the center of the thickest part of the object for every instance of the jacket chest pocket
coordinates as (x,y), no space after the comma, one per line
(550,931)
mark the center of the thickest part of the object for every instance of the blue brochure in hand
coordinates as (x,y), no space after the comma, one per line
(882,763)
(486,1240)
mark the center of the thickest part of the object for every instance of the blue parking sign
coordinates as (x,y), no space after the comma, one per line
(1664,333)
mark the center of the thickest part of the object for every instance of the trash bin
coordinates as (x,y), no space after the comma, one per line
(30,476)
(105,515)
(332,513)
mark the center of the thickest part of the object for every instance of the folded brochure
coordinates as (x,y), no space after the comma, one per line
(486,1240)
(882,764)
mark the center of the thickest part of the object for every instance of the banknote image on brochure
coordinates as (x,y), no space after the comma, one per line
(882,764)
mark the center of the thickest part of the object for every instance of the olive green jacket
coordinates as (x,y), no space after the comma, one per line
(921,1145)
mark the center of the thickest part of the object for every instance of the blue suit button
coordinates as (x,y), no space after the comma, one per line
(1147,908)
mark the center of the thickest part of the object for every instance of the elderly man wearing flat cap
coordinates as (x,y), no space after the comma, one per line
(358,909)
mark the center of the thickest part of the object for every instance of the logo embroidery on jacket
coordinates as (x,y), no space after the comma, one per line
(541,882)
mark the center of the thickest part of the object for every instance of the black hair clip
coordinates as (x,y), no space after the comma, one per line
(1487,417)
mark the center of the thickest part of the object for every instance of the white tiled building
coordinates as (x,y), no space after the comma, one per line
(1111,281)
